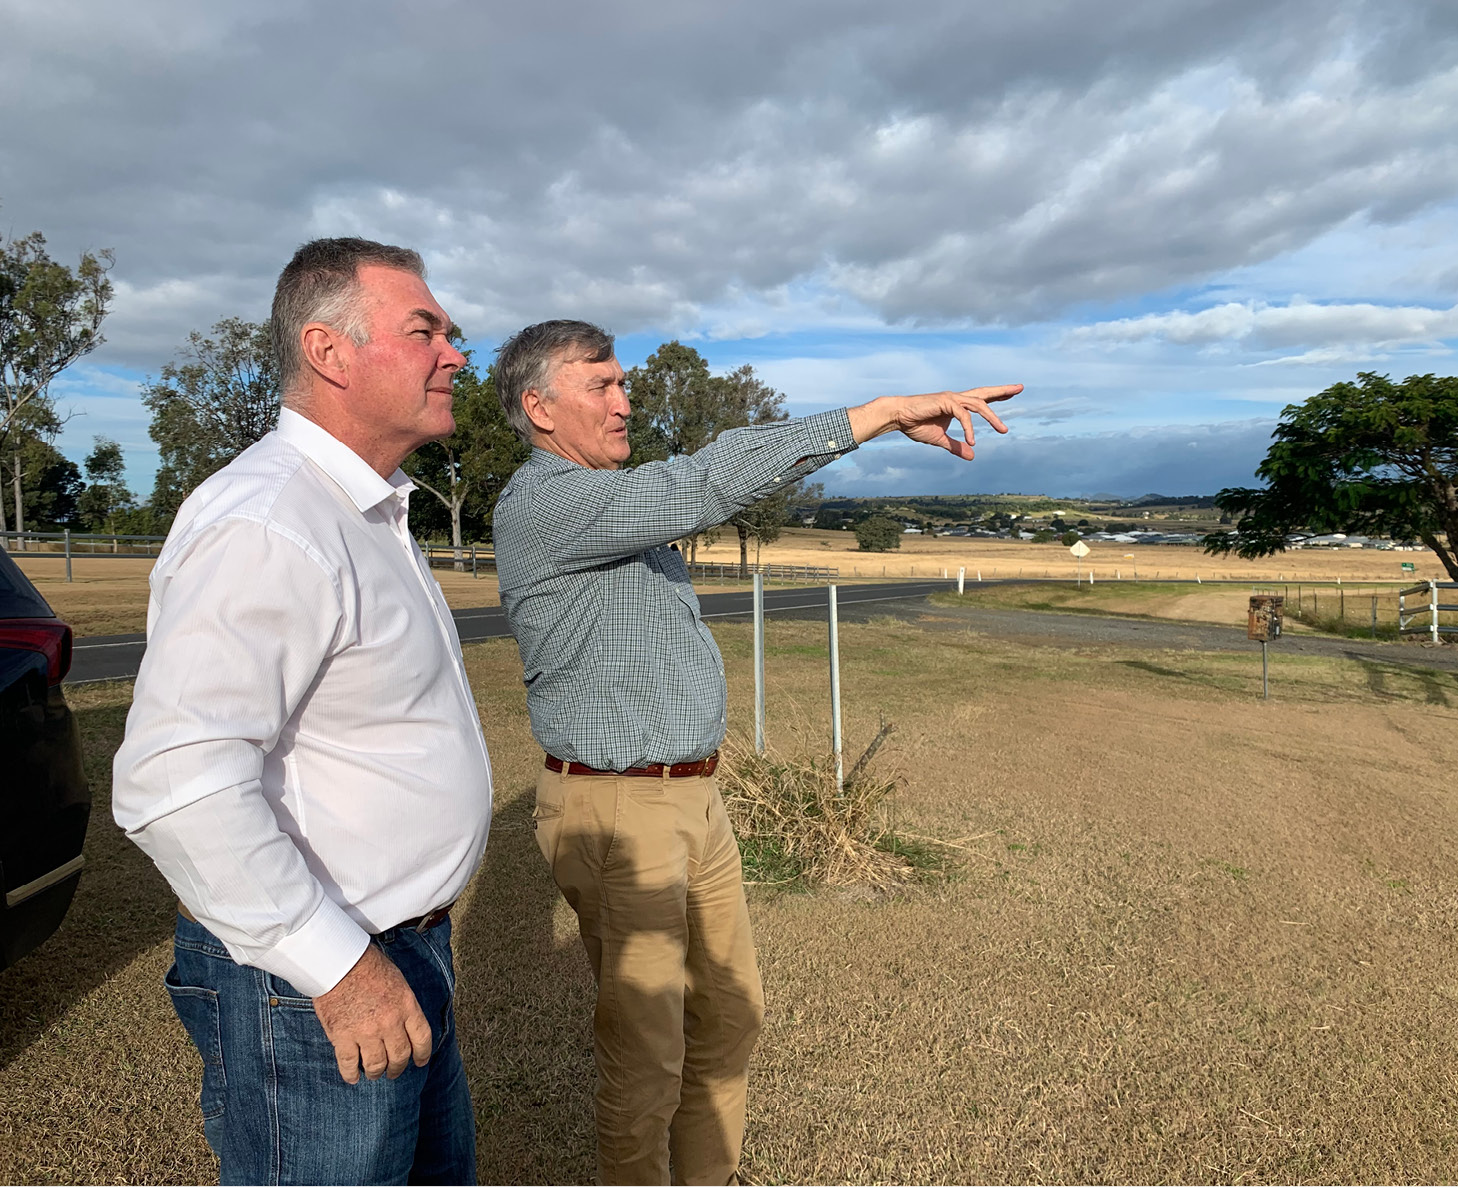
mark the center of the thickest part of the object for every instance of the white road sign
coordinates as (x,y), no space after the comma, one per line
(1079,549)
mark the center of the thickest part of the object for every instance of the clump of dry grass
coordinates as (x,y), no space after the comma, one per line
(797,829)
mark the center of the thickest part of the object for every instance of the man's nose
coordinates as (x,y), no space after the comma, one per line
(452,358)
(620,405)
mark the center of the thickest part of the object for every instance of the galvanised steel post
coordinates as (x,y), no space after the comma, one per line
(835,691)
(759,663)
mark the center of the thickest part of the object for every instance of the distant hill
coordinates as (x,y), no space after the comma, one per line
(1182,500)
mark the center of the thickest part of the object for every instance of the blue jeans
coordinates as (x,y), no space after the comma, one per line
(275,1109)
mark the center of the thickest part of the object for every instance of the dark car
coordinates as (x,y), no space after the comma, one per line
(44,798)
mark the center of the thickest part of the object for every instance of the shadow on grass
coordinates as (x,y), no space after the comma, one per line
(524,1011)
(122,907)
(1146,666)
(1379,676)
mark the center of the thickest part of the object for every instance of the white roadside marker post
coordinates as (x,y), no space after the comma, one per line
(961,579)
(759,663)
(835,692)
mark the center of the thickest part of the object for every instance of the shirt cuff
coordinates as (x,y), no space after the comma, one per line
(828,433)
(316,957)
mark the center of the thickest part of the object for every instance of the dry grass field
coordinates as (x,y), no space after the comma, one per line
(1190,937)
(109,596)
(921,556)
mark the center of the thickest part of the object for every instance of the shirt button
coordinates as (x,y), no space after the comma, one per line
(831,443)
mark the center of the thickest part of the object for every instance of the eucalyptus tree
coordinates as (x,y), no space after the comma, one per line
(679,406)
(218,397)
(50,316)
(466,471)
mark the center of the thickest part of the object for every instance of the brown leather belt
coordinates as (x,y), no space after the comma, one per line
(429,920)
(678,771)
(419,923)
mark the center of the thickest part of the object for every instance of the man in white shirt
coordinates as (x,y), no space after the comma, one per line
(303,758)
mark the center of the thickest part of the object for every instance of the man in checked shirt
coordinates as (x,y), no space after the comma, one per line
(626,692)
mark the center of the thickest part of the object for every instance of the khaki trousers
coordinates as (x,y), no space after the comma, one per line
(652,870)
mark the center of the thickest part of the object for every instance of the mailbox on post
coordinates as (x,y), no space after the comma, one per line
(1264,624)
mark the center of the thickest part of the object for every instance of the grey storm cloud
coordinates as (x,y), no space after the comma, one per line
(1168,459)
(647,164)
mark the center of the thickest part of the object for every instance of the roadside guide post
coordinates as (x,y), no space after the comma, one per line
(961,579)
(1264,623)
(835,692)
(1079,551)
(68,554)
(759,663)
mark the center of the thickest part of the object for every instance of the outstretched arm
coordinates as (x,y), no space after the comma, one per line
(927,418)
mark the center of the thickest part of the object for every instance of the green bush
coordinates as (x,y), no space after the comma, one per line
(879,534)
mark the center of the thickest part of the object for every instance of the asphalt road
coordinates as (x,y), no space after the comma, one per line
(117,657)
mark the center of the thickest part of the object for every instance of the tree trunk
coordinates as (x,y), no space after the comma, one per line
(19,505)
(4,544)
(456,505)
(1447,556)
(743,552)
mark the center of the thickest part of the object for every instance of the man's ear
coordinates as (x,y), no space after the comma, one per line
(321,346)
(538,410)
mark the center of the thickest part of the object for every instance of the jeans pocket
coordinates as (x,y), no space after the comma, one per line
(283,994)
(197,1007)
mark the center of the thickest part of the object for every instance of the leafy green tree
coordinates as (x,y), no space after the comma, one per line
(106,496)
(466,471)
(672,399)
(1069,538)
(679,407)
(1044,535)
(744,399)
(209,405)
(50,316)
(28,459)
(878,534)
(1373,456)
(52,483)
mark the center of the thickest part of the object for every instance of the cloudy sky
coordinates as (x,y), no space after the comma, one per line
(1168,218)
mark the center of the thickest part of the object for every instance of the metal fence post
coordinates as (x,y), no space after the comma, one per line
(68,554)
(759,663)
(1374,616)
(835,691)
(1433,594)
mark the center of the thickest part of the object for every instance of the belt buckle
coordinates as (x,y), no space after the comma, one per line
(431,919)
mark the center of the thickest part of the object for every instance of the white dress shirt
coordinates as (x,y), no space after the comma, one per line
(303,758)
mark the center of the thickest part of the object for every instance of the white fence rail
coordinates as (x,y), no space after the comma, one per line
(1429,609)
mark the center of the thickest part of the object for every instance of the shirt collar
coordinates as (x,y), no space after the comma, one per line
(351,473)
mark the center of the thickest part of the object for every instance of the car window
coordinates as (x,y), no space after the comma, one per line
(18,598)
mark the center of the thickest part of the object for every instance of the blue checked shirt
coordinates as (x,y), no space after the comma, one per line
(619,668)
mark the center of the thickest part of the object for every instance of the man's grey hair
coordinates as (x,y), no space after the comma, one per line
(321,284)
(526,360)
